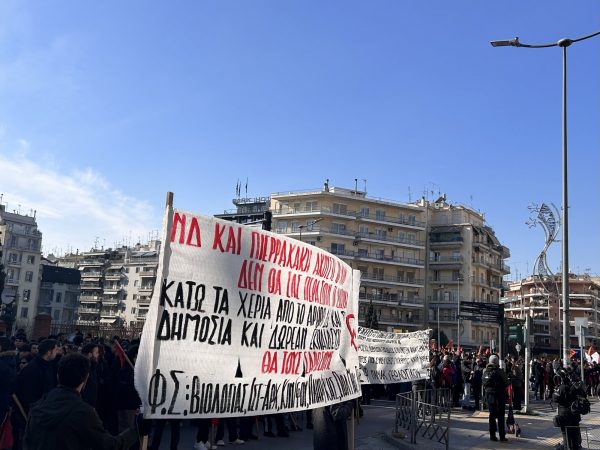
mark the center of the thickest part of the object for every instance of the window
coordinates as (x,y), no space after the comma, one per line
(29,276)
(12,275)
(378,273)
(12,257)
(339,228)
(281,226)
(312,206)
(411,237)
(135,282)
(132,310)
(24,312)
(26,295)
(31,259)
(363,230)
(137,270)
(410,277)
(412,220)
(295,227)
(58,297)
(380,214)
(379,252)
(339,208)
(363,252)
(338,249)
(297,207)
(364,211)
(56,315)
(381,234)
(400,275)
(32,244)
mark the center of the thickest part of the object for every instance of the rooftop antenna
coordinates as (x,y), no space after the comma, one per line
(365,183)
(355,186)
(246,187)
(19,210)
(96,242)
(409,195)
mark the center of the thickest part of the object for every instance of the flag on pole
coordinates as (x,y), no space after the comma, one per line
(119,352)
(572,353)
(450,345)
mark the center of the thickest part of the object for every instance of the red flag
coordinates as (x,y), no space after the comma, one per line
(572,353)
(460,349)
(487,351)
(590,350)
(450,345)
(119,352)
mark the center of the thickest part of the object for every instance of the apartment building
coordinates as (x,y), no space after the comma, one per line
(117,285)
(465,263)
(253,212)
(59,293)
(383,239)
(21,243)
(541,300)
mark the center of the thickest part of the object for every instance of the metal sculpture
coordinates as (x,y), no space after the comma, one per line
(548,217)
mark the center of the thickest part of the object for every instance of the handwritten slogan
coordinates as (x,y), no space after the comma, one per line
(246,322)
(392,357)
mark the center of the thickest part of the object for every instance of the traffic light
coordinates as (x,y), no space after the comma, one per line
(515,332)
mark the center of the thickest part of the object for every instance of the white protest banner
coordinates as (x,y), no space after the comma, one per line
(392,357)
(246,322)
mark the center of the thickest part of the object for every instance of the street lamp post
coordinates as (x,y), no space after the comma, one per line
(458,280)
(563,43)
(308,225)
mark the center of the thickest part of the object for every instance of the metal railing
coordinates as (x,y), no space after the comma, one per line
(588,436)
(425,413)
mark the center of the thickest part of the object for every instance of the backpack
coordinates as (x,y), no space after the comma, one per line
(490,378)
(581,405)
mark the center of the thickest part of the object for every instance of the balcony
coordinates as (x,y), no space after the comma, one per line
(389,319)
(109,314)
(391,299)
(111,302)
(89,298)
(384,238)
(378,257)
(114,276)
(143,300)
(439,241)
(91,274)
(86,310)
(446,280)
(13,263)
(112,290)
(384,279)
(446,260)
(11,282)
(91,262)
(146,289)
(148,273)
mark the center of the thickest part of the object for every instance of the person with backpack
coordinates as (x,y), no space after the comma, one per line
(572,403)
(495,382)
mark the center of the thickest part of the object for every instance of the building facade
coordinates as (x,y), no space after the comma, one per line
(59,293)
(416,260)
(383,239)
(465,263)
(541,300)
(21,243)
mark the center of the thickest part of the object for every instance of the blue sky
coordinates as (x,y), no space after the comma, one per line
(105,106)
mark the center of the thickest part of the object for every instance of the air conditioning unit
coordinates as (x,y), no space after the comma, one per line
(390,229)
(319,238)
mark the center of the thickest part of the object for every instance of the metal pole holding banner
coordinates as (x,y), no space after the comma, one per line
(581,344)
(528,335)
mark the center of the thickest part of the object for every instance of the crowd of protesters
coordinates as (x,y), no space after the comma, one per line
(30,370)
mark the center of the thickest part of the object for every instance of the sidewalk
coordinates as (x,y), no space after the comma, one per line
(469,430)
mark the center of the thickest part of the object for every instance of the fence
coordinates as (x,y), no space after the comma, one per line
(425,413)
(590,438)
(99,330)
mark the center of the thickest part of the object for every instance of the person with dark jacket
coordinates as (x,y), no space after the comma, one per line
(477,381)
(495,382)
(568,419)
(63,421)
(8,375)
(90,391)
(331,426)
(34,380)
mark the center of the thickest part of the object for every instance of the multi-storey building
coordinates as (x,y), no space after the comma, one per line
(249,211)
(117,285)
(416,260)
(21,241)
(541,300)
(466,263)
(59,293)
(383,239)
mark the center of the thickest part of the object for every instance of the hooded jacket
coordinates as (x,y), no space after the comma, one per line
(36,379)
(63,421)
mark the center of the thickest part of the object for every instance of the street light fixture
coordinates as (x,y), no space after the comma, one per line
(308,225)
(563,43)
